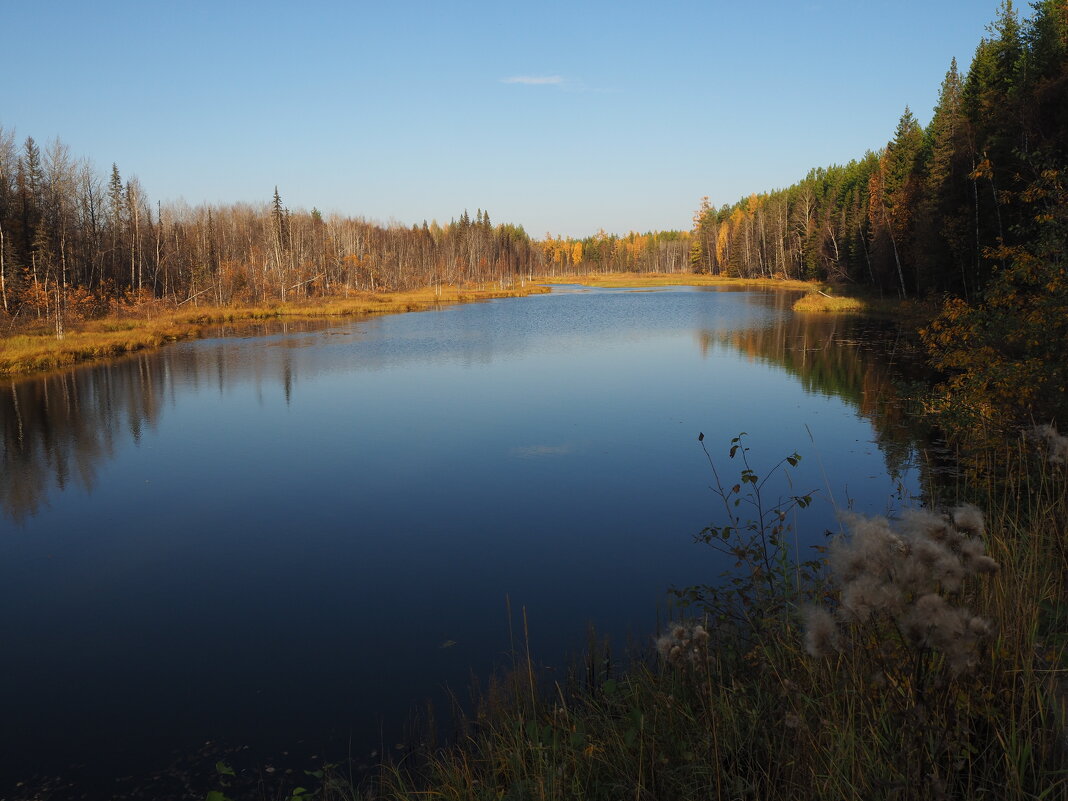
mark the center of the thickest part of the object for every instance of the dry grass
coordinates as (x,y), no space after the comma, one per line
(155,325)
(820,302)
(620,280)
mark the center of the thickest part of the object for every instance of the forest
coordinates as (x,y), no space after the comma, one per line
(935,209)
(72,241)
(973,208)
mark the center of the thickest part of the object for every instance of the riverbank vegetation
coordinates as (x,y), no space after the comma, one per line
(615,280)
(822,302)
(142,321)
(943,678)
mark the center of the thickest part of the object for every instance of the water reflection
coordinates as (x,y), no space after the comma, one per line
(181,529)
(863,362)
(56,430)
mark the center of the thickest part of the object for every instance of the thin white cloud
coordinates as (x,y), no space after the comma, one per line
(536,451)
(535,80)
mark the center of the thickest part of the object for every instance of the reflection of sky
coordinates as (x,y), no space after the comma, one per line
(367,492)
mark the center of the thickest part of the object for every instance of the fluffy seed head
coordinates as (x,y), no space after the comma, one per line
(906,577)
(1055,444)
(821,632)
(684,643)
(970,520)
(920,523)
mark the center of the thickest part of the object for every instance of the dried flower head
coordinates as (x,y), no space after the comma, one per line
(685,643)
(969,519)
(904,577)
(923,523)
(1056,445)
(821,632)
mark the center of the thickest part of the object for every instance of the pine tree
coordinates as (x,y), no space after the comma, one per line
(942,225)
(893,192)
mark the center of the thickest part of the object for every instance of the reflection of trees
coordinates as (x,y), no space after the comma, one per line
(861,361)
(54,430)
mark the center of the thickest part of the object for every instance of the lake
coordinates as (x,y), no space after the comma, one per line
(300,534)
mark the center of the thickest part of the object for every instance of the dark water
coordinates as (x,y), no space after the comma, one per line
(298,537)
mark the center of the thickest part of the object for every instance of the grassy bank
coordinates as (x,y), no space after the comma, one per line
(819,301)
(959,697)
(33,347)
(857,300)
(155,324)
(818,298)
(620,280)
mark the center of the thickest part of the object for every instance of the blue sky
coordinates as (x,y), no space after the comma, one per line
(562,116)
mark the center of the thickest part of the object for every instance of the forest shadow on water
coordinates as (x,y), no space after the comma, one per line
(302,537)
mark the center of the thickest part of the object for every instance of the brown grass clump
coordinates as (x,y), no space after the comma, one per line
(819,302)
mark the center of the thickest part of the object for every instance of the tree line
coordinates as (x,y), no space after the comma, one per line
(931,211)
(72,241)
(651,252)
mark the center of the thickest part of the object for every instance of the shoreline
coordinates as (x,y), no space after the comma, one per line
(148,328)
(619,280)
(157,323)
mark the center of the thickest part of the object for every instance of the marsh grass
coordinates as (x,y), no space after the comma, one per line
(152,324)
(749,714)
(622,280)
(836,304)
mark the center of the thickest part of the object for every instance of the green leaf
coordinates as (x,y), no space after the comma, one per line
(223,769)
(215,795)
(610,687)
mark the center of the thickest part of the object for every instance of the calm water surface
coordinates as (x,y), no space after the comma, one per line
(299,537)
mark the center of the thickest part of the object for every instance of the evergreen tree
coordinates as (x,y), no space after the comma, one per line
(942,232)
(893,192)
